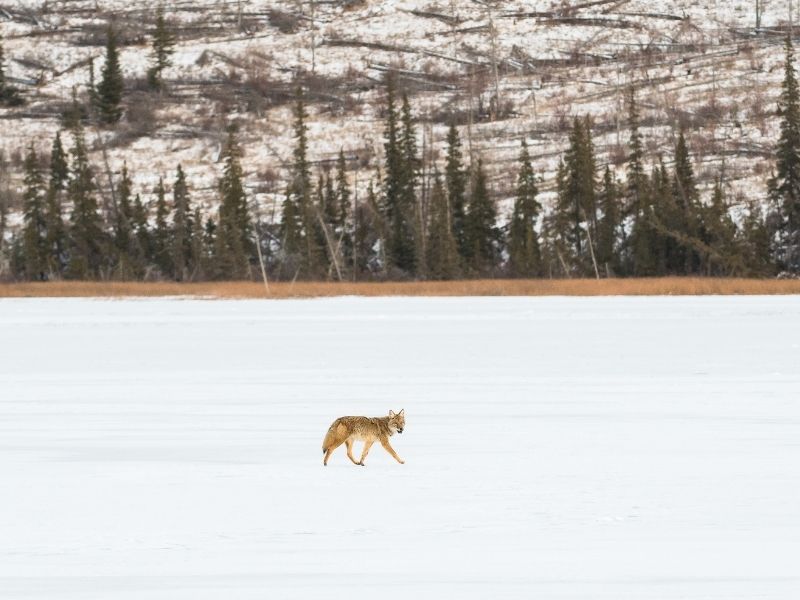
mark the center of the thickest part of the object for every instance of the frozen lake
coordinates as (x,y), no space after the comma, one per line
(582,448)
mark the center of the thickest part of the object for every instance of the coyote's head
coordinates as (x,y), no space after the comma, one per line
(397,421)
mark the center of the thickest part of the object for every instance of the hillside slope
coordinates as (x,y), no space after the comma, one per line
(695,63)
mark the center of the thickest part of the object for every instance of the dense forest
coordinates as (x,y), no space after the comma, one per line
(417,220)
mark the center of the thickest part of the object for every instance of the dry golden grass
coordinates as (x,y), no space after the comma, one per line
(666,286)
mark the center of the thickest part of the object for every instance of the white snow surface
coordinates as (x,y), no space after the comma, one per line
(592,448)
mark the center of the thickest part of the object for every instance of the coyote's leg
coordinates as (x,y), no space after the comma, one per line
(390,450)
(330,450)
(349,444)
(365,451)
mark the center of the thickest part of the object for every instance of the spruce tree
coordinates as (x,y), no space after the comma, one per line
(608,225)
(413,224)
(482,233)
(576,207)
(109,91)
(162,48)
(720,235)
(182,228)
(398,187)
(302,197)
(686,202)
(34,232)
(233,239)
(162,242)
(143,234)
(785,186)
(124,241)
(86,236)
(343,199)
(442,253)
(56,232)
(524,254)
(456,183)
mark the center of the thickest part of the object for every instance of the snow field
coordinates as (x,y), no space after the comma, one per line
(603,448)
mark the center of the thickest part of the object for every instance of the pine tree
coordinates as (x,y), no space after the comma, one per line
(482,233)
(456,183)
(686,201)
(162,48)
(9,95)
(343,198)
(575,218)
(182,228)
(524,254)
(785,186)
(124,240)
(720,235)
(442,253)
(608,225)
(87,243)
(34,232)
(234,243)
(301,195)
(143,234)
(636,174)
(162,242)
(197,263)
(109,91)
(56,232)
(291,234)
(398,187)
(413,224)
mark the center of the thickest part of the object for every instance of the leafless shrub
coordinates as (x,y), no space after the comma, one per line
(283,21)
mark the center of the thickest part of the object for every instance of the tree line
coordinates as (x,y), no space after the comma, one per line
(417,219)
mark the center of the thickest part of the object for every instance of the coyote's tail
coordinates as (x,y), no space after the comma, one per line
(326,443)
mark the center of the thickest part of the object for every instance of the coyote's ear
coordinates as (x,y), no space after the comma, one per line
(402,410)
(391,412)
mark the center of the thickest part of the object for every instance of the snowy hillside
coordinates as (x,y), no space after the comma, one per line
(605,449)
(697,63)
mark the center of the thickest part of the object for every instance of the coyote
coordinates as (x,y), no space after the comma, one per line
(345,430)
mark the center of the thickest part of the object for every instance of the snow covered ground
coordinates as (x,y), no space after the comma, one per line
(592,448)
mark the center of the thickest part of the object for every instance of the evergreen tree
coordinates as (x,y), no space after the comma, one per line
(686,202)
(575,218)
(109,91)
(414,225)
(608,226)
(456,183)
(442,253)
(182,227)
(343,198)
(143,235)
(398,188)
(524,255)
(197,263)
(56,232)
(34,232)
(162,48)
(756,241)
(9,95)
(726,256)
(124,241)
(87,243)
(483,236)
(233,241)
(291,234)
(162,243)
(785,186)
(302,198)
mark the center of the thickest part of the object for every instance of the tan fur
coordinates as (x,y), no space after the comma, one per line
(346,430)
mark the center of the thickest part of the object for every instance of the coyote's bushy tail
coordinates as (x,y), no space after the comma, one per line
(326,443)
